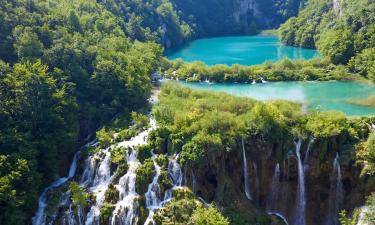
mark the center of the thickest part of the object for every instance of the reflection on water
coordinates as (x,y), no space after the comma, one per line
(245,50)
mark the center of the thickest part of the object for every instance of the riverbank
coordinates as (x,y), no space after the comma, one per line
(317,69)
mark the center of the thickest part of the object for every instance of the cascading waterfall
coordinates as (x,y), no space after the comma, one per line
(100,185)
(245,172)
(300,212)
(336,193)
(153,194)
(40,216)
(175,173)
(125,208)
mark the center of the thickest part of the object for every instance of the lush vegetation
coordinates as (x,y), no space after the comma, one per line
(185,208)
(284,70)
(201,123)
(343,33)
(66,67)
(234,17)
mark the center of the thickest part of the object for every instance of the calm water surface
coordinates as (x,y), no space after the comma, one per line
(244,50)
(322,96)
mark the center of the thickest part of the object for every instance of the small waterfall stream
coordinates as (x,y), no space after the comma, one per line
(245,172)
(40,216)
(152,195)
(175,172)
(336,193)
(100,185)
(275,196)
(300,212)
(307,155)
(125,208)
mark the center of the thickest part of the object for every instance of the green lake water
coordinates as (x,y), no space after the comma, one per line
(322,96)
(244,50)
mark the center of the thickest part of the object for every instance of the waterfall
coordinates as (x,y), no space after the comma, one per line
(40,216)
(275,187)
(307,155)
(153,194)
(175,172)
(245,172)
(256,178)
(274,198)
(194,182)
(100,185)
(362,216)
(301,202)
(125,208)
(336,193)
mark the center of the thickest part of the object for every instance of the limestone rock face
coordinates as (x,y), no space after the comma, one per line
(221,178)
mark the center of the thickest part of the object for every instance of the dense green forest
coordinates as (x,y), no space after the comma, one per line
(66,68)
(344,32)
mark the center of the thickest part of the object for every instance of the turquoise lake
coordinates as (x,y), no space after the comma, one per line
(322,96)
(244,50)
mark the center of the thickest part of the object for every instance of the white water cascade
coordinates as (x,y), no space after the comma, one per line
(125,208)
(152,195)
(175,173)
(300,212)
(40,216)
(336,193)
(245,172)
(100,185)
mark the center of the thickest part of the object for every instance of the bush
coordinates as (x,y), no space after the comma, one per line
(144,152)
(104,138)
(145,174)
(209,216)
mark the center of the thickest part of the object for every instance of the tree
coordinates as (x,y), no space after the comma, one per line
(209,216)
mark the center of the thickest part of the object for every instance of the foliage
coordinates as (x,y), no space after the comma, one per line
(341,33)
(106,212)
(283,70)
(370,214)
(104,138)
(228,17)
(144,152)
(66,68)
(326,124)
(118,155)
(145,173)
(209,216)
(141,121)
(202,125)
(78,194)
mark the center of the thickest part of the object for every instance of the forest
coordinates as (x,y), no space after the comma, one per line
(72,71)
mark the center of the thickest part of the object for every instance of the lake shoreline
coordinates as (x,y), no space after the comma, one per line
(315,95)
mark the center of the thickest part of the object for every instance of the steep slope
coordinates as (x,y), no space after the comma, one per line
(228,17)
(342,30)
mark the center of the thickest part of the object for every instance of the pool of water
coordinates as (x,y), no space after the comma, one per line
(322,96)
(244,50)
